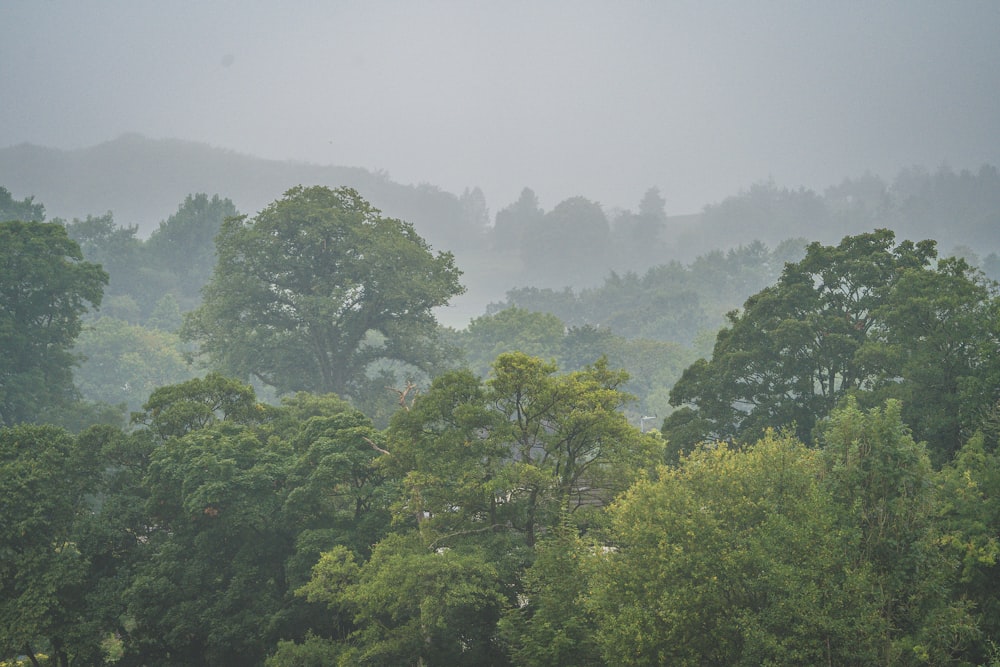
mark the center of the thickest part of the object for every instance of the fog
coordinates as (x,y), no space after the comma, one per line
(598,99)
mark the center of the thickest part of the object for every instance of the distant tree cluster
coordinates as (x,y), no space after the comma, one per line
(653,365)
(669,302)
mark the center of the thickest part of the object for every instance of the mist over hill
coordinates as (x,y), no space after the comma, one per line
(142,180)
(503,245)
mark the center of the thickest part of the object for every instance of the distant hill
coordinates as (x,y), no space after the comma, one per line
(142,181)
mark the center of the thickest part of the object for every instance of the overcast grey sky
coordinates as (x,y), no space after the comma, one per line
(600,99)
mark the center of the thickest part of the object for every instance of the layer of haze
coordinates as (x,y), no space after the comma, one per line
(600,99)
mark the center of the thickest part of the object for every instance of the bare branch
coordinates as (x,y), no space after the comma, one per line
(374,446)
(403,393)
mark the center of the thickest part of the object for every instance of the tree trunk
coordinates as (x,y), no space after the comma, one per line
(31,655)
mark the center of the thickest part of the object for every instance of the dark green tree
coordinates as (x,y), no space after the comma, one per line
(213,582)
(242,499)
(939,342)
(797,347)
(45,481)
(45,287)
(317,287)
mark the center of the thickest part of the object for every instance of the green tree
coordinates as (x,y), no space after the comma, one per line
(970,512)
(125,363)
(119,252)
(513,453)
(511,330)
(795,349)
(175,410)
(45,481)
(45,287)
(940,336)
(317,287)
(732,557)
(549,623)
(414,605)
(212,587)
(25,210)
(883,486)
(183,245)
(484,469)
(241,499)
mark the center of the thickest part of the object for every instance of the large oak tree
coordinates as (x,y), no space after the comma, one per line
(317,287)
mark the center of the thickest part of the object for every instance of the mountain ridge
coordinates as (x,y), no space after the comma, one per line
(143,180)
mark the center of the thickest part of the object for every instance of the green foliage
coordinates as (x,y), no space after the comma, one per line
(298,291)
(670,301)
(25,210)
(183,245)
(239,502)
(313,651)
(862,318)
(415,605)
(970,513)
(653,366)
(510,330)
(510,454)
(175,262)
(175,410)
(549,624)
(732,557)
(941,336)
(212,586)
(883,485)
(125,363)
(45,287)
(45,480)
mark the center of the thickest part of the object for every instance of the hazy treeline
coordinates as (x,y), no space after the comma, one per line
(141,180)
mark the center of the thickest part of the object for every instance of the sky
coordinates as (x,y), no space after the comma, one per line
(598,99)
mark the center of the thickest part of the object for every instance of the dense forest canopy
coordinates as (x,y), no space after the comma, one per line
(394,491)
